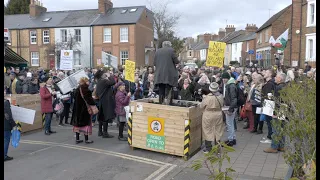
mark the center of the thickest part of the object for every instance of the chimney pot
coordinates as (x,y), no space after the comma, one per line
(104,5)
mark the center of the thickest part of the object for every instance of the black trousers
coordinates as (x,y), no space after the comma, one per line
(164,91)
(121,127)
(65,113)
(258,125)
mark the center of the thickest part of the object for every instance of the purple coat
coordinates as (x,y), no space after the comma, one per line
(122,100)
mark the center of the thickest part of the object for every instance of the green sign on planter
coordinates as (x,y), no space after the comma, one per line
(155,142)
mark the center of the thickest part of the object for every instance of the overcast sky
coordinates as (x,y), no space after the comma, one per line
(197,16)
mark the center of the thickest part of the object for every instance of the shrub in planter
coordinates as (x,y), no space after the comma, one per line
(297,103)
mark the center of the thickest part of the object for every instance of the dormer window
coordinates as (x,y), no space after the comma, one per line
(133,10)
(47,19)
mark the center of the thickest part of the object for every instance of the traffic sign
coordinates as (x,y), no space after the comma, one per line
(251,51)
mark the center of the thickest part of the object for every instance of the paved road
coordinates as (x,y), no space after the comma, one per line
(56,157)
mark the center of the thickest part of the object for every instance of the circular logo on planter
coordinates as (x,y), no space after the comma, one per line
(156,126)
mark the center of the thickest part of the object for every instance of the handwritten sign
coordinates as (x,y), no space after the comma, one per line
(129,70)
(216,54)
(23,115)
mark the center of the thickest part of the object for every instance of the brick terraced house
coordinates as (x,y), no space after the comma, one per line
(124,32)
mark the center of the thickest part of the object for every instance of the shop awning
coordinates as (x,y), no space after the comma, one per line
(12,57)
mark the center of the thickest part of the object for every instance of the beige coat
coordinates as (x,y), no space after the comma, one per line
(212,120)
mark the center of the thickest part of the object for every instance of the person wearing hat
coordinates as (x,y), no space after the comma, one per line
(46,95)
(230,103)
(122,99)
(212,118)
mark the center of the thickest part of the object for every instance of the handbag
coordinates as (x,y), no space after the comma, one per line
(15,139)
(248,106)
(262,117)
(243,113)
(92,109)
(59,107)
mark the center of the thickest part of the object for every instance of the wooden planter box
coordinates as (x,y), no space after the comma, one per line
(167,129)
(29,101)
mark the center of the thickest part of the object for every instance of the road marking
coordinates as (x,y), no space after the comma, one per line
(150,177)
(32,153)
(165,172)
(122,155)
(157,173)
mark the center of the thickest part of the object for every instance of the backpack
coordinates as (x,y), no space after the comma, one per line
(241,99)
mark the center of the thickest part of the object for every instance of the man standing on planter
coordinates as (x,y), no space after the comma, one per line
(166,74)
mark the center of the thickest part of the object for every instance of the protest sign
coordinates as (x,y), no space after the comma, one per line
(130,68)
(22,114)
(216,54)
(71,82)
(66,60)
(268,107)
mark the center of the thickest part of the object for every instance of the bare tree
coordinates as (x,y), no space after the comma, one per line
(70,44)
(164,21)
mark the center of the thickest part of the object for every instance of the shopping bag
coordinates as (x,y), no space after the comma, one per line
(243,113)
(127,109)
(15,137)
(262,117)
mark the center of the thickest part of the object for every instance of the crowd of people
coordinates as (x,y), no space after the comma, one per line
(221,92)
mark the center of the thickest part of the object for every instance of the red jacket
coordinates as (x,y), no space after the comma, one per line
(46,100)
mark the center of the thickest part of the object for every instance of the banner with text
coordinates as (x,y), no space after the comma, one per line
(216,54)
(66,60)
(130,67)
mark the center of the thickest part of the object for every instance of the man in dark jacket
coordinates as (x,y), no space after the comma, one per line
(166,74)
(268,88)
(22,85)
(277,146)
(230,101)
(33,86)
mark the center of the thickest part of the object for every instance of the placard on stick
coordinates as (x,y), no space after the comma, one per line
(216,54)
(129,70)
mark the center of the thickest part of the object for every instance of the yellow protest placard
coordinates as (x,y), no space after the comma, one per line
(129,70)
(156,126)
(5,70)
(216,54)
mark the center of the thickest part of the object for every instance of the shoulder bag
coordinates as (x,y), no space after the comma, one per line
(92,109)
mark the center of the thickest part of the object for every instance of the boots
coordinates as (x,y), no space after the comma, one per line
(105,131)
(100,129)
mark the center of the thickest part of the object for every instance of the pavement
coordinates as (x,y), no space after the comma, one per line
(57,157)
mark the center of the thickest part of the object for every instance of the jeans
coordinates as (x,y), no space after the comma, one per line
(7,136)
(48,118)
(230,125)
(268,120)
(280,144)
(236,116)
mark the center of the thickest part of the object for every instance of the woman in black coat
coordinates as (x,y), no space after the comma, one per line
(81,119)
(106,103)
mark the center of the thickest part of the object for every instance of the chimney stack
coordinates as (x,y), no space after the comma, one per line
(221,33)
(36,8)
(207,37)
(104,6)
(251,28)
(215,37)
(230,28)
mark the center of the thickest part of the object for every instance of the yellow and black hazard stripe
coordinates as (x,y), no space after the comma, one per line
(130,130)
(43,119)
(186,140)
(18,125)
